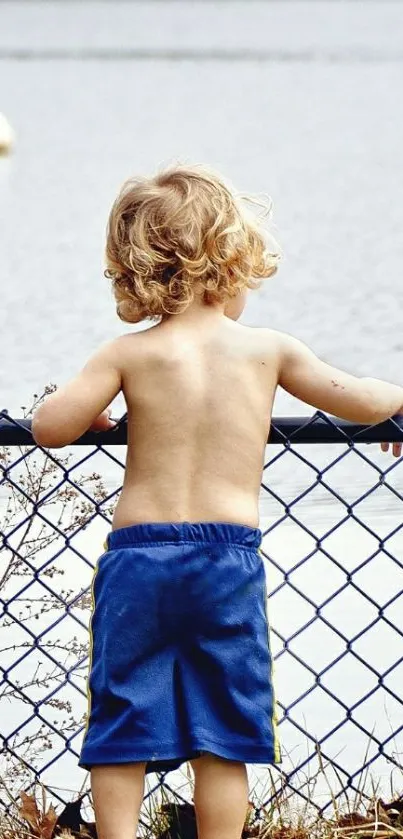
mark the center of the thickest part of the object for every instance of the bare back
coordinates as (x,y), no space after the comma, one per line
(199,407)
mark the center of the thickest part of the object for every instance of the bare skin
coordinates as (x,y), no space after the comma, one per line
(220,797)
(184,389)
(199,390)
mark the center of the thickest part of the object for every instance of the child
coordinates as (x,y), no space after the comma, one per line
(180,659)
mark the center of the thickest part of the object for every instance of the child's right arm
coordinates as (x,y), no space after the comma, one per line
(363,400)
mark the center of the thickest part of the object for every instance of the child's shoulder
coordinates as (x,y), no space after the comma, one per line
(274,340)
(124,343)
(115,353)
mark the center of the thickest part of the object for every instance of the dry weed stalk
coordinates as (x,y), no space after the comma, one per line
(31,479)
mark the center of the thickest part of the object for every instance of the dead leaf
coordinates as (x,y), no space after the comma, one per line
(29,812)
(42,824)
(47,824)
(397,804)
(88,829)
(379,813)
(353,819)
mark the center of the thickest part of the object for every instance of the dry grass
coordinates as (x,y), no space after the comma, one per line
(289,814)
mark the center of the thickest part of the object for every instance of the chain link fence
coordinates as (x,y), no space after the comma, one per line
(331,517)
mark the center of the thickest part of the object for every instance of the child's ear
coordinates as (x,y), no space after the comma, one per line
(235,305)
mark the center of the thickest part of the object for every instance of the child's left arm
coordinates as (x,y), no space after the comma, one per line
(67,413)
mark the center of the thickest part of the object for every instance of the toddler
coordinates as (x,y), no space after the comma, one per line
(180,662)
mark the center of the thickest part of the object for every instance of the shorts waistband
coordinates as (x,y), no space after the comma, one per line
(227,532)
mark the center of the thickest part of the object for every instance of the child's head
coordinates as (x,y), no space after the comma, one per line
(180,234)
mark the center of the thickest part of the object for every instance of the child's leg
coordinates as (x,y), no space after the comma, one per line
(220,797)
(117,792)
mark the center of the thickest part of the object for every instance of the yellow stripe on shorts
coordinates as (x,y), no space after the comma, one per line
(274,719)
(88,689)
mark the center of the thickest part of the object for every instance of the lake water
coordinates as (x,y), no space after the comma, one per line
(298,100)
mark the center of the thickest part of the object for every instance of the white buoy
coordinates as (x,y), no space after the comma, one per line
(6,135)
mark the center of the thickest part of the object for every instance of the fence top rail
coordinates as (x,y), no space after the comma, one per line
(318,428)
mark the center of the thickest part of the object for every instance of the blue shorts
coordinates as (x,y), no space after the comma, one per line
(180,658)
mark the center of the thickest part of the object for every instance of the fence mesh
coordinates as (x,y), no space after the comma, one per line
(331,518)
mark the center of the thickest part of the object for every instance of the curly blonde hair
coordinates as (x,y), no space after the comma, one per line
(180,232)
